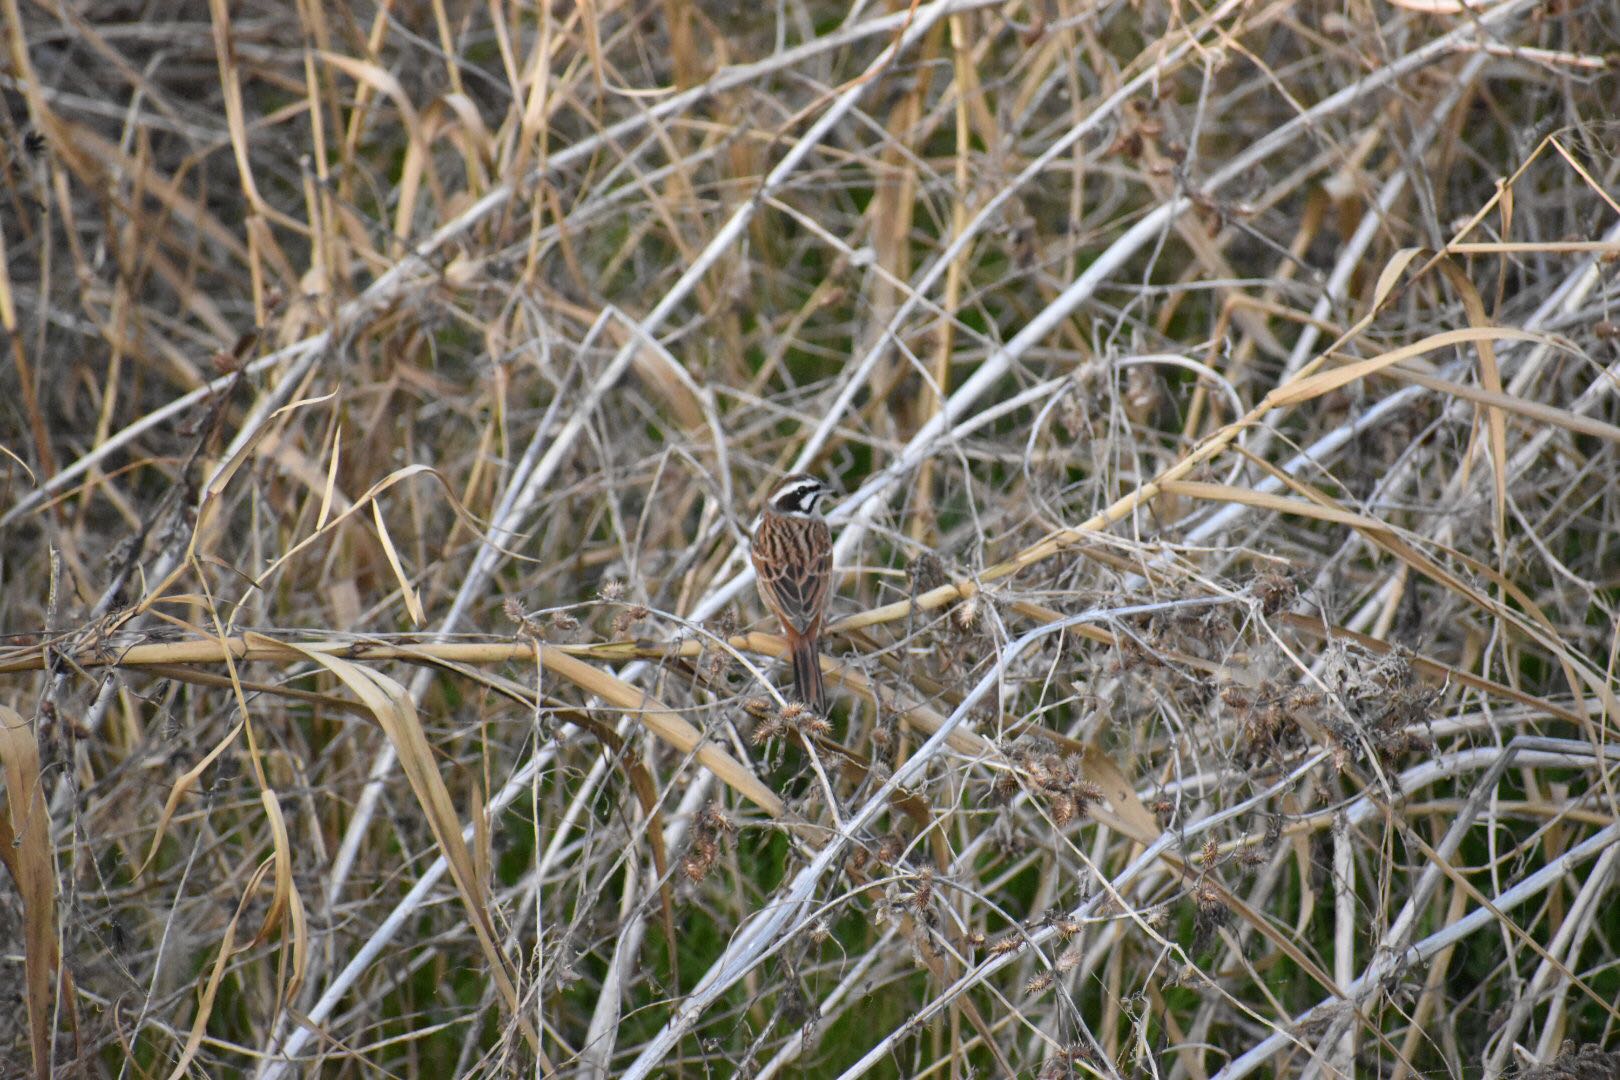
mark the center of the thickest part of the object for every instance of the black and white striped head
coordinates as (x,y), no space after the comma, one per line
(799,495)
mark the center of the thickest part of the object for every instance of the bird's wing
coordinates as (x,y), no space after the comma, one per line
(798,589)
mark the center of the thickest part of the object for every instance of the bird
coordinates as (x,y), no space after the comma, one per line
(792,556)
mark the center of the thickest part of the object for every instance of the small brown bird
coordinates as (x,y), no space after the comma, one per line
(792,554)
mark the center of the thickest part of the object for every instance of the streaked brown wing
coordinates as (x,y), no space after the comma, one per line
(793,558)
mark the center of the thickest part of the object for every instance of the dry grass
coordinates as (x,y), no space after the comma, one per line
(1226,667)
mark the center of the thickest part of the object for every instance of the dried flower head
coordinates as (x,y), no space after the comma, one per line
(1275,590)
(708,827)
(966,613)
(922,887)
(1009,944)
(624,620)
(1212,914)
(767,728)
(699,858)
(526,627)
(888,848)
(806,721)
(716,658)
(1063,809)
(1062,1064)
(1005,786)
(1069,958)
(926,573)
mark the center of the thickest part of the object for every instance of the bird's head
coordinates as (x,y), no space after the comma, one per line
(800,495)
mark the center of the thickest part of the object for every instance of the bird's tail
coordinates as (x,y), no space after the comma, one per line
(807,674)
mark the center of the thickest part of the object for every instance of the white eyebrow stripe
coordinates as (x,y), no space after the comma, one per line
(793,493)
